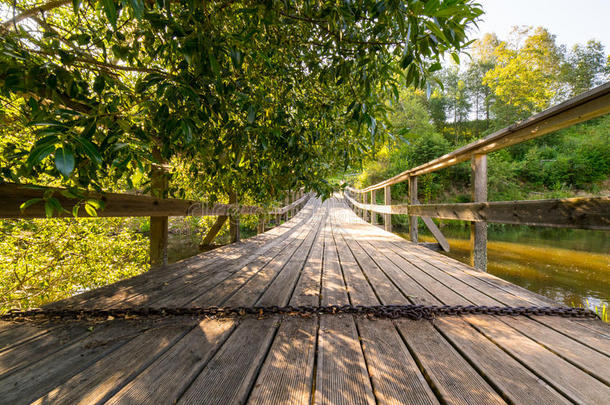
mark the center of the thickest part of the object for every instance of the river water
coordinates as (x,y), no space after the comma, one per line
(570,266)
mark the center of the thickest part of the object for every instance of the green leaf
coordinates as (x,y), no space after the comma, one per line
(251,114)
(90,150)
(28,203)
(406,60)
(38,154)
(455,57)
(48,209)
(90,209)
(76,5)
(214,64)
(64,160)
(138,8)
(236,58)
(110,10)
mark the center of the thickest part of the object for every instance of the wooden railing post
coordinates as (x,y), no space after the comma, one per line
(158,224)
(387,200)
(261,224)
(478,230)
(413,200)
(373,201)
(234,219)
(365,213)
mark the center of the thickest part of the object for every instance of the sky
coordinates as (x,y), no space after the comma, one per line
(572,21)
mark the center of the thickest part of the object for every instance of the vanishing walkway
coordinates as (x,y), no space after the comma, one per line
(325,255)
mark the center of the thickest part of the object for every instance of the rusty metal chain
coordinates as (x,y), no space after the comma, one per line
(382,311)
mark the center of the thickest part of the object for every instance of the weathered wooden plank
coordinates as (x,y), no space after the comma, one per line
(468,292)
(513,381)
(452,376)
(383,286)
(333,286)
(20,333)
(42,345)
(214,229)
(395,375)
(510,377)
(286,376)
(341,377)
(190,285)
(169,376)
(478,230)
(249,280)
(42,376)
(359,289)
(290,260)
(577,213)
(414,200)
(563,376)
(307,290)
(387,200)
(115,204)
(229,375)
(280,290)
(583,357)
(598,340)
(105,377)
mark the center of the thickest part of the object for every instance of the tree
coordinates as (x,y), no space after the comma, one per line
(527,70)
(584,67)
(483,60)
(257,95)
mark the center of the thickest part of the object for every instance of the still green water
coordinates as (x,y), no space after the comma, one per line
(570,266)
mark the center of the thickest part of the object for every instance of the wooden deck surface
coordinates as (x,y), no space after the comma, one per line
(324,255)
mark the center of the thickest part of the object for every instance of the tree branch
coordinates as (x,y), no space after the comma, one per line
(33,11)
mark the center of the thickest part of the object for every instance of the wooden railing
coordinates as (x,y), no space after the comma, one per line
(584,213)
(14,196)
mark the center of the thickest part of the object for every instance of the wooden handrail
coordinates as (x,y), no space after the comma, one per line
(579,213)
(119,204)
(589,105)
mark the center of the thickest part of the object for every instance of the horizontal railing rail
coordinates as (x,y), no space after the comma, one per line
(29,201)
(578,213)
(582,213)
(120,204)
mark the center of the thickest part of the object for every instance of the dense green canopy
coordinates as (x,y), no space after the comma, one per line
(258,96)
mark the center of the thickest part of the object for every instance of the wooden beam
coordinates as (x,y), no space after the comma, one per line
(214,229)
(478,230)
(372,213)
(234,233)
(436,232)
(413,199)
(577,213)
(387,218)
(589,105)
(115,204)
(159,231)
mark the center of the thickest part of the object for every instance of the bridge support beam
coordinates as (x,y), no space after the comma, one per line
(373,201)
(387,200)
(478,230)
(234,219)
(365,213)
(413,199)
(158,224)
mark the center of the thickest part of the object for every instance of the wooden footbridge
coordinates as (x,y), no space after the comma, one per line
(324,255)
